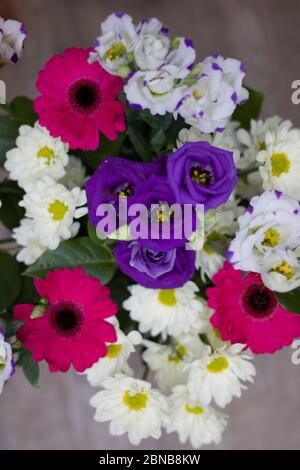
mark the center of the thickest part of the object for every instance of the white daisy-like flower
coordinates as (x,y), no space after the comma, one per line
(193,421)
(272,220)
(225,140)
(209,103)
(166,312)
(281,270)
(113,49)
(155,90)
(12,35)
(254,140)
(219,375)
(208,261)
(168,361)
(25,236)
(53,209)
(116,360)
(6,362)
(132,407)
(37,154)
(75,174)
(280,160)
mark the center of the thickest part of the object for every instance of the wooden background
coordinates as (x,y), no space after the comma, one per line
(265,35)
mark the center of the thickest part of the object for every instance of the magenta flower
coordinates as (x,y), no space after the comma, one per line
(78,100)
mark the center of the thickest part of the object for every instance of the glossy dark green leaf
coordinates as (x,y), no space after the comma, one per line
(290,300)
(250,110)
(30,368)
(139,143)
(21,111)
(92,159)
(10,211)
(158,140)
(10,282)
(156,121)
(97,261)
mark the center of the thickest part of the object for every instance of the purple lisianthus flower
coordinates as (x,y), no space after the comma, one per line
(165,224)
(114,177)
(199,173)
(155,269)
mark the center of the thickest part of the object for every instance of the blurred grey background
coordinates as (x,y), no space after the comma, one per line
(264,35)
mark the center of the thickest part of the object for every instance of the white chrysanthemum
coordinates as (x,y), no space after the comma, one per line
(209,103)
(280,160)
(132,407)
(272,220)
(167,312)
(26,238)
(281,270)
(116,360)
(12,35)
(254,140)
(249,185)
(193,421)
(53,209)
(75,174)
(154,90)
(6,362)
(208,261)
(225,140)
(114,47)
(219,375)
(37,154)
(168,361)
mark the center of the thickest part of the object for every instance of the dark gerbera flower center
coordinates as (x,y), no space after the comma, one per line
(259,301)
(200,175)
(84,95)
(66,318)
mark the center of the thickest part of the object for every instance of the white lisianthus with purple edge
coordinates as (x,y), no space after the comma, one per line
(209,103)
(7,366)
(12,35)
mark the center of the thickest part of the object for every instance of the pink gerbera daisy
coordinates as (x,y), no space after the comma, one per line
(78,100)
(71,328)
(247,312)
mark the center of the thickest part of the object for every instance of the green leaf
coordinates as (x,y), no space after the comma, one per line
(250,110)
(21,111)
(12,328)
(157,122)
(219,245)
(119,292)
(158,140)
(28,294)
(139,143)
(10,283)
(8,135)
(97,261)
(10,211)
(290,300)
(106,149)
(30,368)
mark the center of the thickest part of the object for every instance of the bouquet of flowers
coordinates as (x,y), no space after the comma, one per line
(152,213)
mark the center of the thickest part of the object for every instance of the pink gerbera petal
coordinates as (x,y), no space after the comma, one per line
(72,330)
(79,99)
(247,312)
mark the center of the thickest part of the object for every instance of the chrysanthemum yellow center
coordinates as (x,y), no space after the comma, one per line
(196,410)
(213,236)
(280,164)
(113,350)
(217,365)
(178,355)
(135,402)
(271,238)
(46,153)
(167,297)
(115,51)
(285,269)
(57,209)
